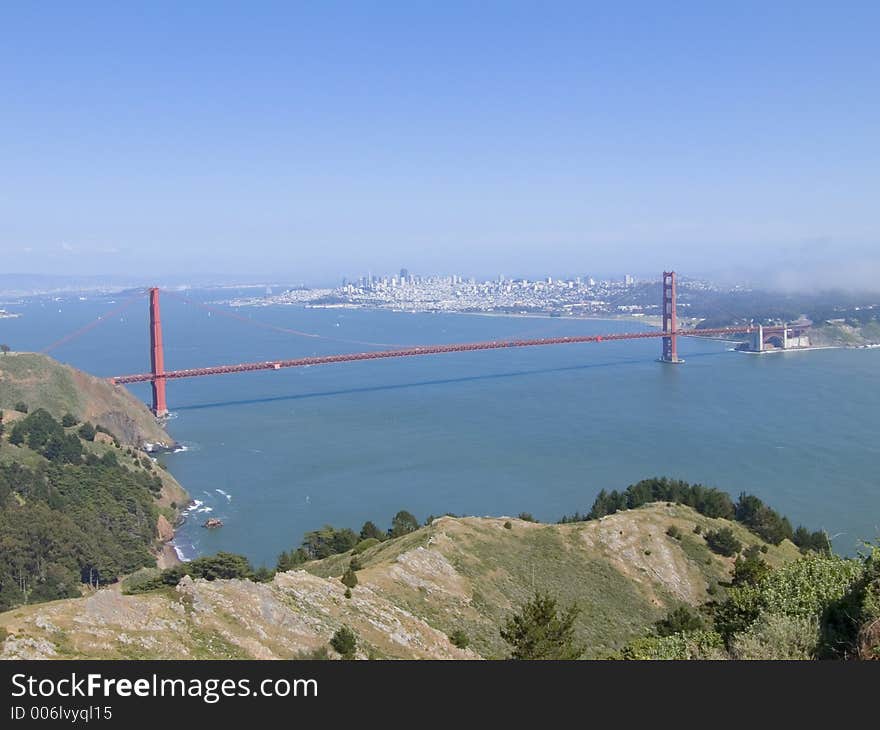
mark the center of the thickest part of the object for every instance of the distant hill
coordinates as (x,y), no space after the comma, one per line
(41,382)
(845,334)
(463,574)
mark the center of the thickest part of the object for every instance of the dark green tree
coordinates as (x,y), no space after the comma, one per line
(680,620)
(403,523)
(369,530)
(349,578)
(749,568)
(87,432)
(344,641)
(762,520)
(541,631)
(329,541)
(290,559)
(16,435)
(223,565)
(723,542)
(817,541)
(459,639)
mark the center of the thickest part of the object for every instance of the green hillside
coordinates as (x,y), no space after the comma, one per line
(79,506)
(41,382)
(412,592)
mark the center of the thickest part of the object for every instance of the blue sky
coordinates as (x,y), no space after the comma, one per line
(317,140)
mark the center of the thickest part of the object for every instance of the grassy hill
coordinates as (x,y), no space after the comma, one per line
(41,382)
(465,574)
(81,503)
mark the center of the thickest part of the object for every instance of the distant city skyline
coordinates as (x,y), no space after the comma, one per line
(310,143)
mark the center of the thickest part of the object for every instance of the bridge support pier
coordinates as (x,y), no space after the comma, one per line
(670,321)
(157,357)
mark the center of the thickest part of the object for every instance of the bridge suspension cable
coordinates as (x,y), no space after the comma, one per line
(423,350)
(91,325)
(273,327)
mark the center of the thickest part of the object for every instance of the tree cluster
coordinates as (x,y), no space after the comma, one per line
(748,510)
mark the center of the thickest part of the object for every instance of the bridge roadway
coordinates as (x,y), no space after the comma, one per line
(428,350)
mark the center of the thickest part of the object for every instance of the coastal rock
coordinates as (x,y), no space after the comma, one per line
(164,530)
(212,523)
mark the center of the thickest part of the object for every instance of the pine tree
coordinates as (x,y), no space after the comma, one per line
(541,631)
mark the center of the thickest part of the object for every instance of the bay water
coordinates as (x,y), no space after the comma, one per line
(540,430)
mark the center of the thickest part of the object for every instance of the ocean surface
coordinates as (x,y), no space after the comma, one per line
(538,430)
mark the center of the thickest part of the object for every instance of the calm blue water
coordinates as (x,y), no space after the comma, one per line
(540,430)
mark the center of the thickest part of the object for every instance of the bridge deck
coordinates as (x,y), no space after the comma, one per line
(427,350)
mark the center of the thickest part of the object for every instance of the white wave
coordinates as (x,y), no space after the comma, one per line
(193,506)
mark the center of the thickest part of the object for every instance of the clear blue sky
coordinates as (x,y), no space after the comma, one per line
(317,140)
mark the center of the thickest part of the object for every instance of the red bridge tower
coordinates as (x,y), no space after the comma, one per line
(157,356)
(670,320)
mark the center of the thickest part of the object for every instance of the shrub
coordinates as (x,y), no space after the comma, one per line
(223,565)
(695,645)
(262,575)
(816,586)
(541,631)
(68,420)
(87,432)
(697,529)
(778,638)
(723,542)
(526,517)
(680,620)
(143,580)
(365,545)
(349,578)
(508,525)
(344,642)
(355,564)
(347,593)
(673,532)
(459,639)
(21,407)
(16,435)
(749,568)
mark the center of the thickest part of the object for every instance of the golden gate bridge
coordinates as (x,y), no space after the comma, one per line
(159,376)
